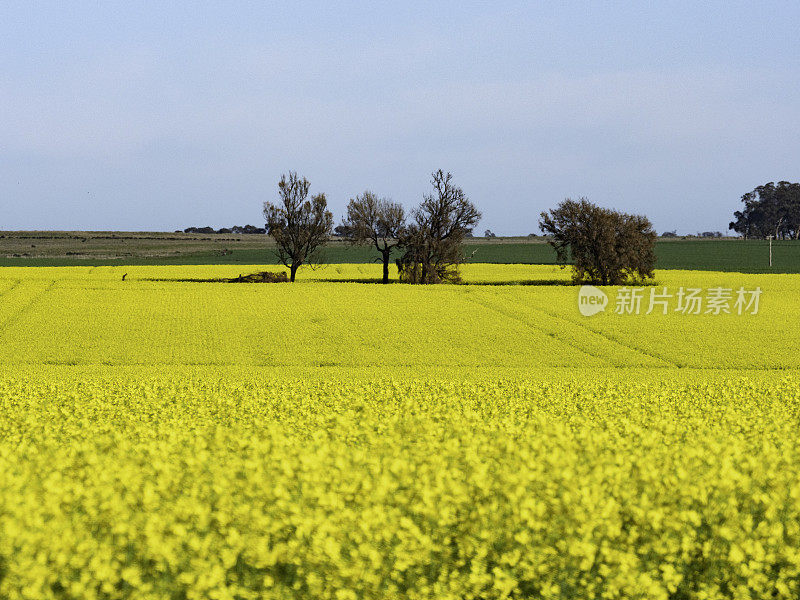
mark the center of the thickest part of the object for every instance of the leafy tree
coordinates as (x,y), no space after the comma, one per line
(770,209)
(433,240)
(489,234)
(376,221)
(607,247)
(300,227)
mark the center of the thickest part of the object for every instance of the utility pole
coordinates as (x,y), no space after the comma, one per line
(770,249)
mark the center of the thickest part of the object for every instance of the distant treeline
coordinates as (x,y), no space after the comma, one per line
(699,234)
(234,229)
(769,210)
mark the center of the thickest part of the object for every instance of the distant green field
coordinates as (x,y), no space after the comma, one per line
(750,256)
(124,248)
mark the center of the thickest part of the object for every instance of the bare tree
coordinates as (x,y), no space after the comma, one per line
(433,241)
(376,221)
(300,227)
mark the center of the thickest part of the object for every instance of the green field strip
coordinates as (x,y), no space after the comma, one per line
(727,255)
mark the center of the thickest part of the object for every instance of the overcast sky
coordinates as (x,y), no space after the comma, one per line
(161,115)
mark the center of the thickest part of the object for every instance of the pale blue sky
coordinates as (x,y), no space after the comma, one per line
(161,115)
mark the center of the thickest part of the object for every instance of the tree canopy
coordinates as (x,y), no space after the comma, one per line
(376,221)
(300,227)
(770,209)
(433,240)
(607,247)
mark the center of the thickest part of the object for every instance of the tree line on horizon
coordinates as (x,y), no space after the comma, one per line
(604,246)
(237,229)
(769,210)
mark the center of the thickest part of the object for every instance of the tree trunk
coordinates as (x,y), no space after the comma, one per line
(292,272)
(385,267)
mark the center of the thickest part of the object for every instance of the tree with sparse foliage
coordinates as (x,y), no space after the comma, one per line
(432,242)
(300,227)
(376,221)
(607,247)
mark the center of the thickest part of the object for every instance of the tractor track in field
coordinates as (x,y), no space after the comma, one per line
(13,286)
(603,335)
(13,318)
(541,330)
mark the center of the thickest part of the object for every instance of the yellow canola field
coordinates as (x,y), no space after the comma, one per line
(339,440)
(212,484)
(84,316)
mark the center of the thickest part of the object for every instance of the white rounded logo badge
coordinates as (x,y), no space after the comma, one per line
(591,300)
